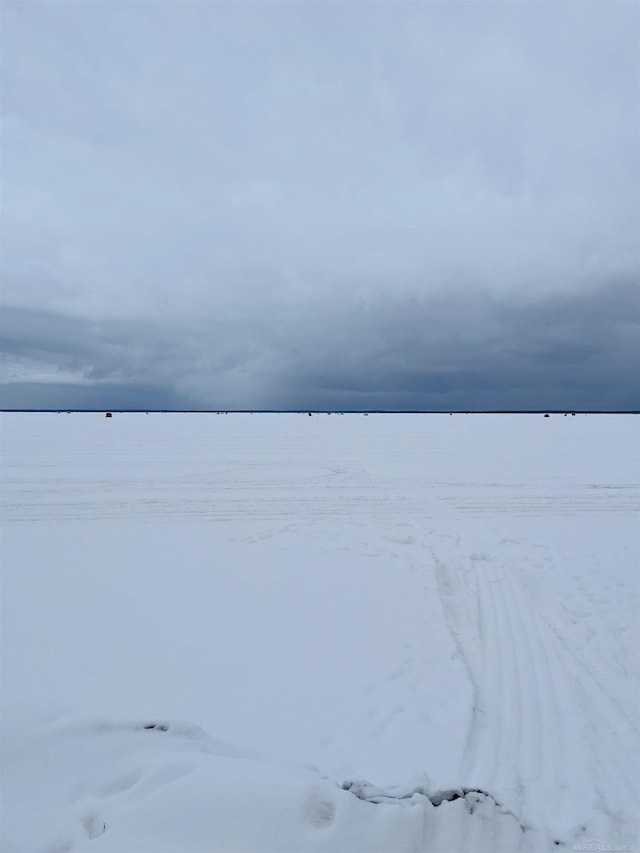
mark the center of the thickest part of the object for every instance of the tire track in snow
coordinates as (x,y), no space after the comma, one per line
(599,767)
(508,760)
(524,729)
(534,754)
(533,723)
(490,686)
(561,747)
(606,739)
(548,757)
(509,707)
(607,742)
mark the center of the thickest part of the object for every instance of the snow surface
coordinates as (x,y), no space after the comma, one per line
(337,633)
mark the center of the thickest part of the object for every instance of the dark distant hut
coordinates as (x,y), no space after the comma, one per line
(108,415)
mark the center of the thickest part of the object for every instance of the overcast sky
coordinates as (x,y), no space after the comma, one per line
(320,204)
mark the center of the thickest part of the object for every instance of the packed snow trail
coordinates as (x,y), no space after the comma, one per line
(541,724)
(549,742)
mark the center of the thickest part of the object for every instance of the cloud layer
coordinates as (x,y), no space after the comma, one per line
(321,205)
(439,352)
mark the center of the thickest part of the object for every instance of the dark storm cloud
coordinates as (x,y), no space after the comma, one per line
(560,352)
(571,351)
(62,396)
(390,205)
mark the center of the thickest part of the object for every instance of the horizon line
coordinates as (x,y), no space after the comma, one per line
(332,411)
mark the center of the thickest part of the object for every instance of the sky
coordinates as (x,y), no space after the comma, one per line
(328,205)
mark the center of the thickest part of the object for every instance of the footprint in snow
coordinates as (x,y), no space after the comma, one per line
(319,810)
(94,826)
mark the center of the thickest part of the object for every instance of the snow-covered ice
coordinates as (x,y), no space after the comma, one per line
(338,633)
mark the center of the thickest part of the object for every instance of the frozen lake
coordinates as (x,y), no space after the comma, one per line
(430,603)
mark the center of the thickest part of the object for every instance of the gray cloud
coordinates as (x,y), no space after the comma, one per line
(321,205)
(570,351)
(63,396)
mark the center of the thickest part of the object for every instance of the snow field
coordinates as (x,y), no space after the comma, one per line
(445,607)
